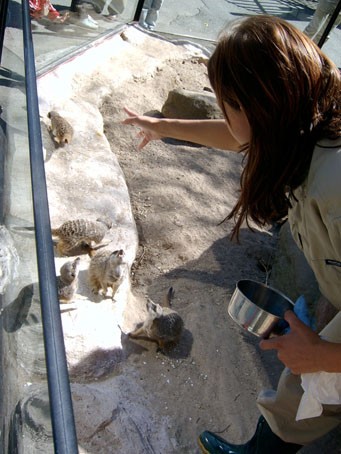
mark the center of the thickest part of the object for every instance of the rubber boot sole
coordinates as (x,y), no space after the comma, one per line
(202,448)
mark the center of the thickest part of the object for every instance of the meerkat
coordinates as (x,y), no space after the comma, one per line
(68,281)
(162,325)
(106,269)
(82,234)
(60,128)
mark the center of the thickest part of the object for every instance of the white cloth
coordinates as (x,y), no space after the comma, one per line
(319,388)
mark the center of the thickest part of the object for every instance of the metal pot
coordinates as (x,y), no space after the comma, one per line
(259,308)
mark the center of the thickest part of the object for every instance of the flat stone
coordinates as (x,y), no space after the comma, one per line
(189,104)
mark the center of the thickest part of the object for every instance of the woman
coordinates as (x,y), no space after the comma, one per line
(281,97)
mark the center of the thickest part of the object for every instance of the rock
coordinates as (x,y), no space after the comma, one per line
(188,104)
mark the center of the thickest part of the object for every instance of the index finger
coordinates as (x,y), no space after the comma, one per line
(270,344)
(130,112)
(291,317)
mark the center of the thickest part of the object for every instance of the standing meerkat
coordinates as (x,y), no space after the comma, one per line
(67,282)
(80,233)
(106,269)
(162,325)
(60,128)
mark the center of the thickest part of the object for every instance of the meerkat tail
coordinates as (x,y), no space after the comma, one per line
(64,247)
(168,298)
(78,296)
(137,332)
(95,247)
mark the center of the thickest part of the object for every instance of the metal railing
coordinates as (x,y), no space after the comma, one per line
(62,417)
(330,24)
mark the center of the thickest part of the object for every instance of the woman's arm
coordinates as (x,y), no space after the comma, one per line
(330,356)
(210,133)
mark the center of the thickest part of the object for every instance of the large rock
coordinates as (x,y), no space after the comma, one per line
(189,104)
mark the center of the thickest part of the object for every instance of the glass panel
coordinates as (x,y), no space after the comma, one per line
(203,20)
(56,39)
(25,402)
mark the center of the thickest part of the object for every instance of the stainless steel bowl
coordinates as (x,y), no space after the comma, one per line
(259,308)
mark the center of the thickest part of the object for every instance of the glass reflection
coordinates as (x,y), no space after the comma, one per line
(61,28)
(25,406)
(203,22)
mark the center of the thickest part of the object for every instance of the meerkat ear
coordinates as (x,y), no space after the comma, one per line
(159,310)
(151,306)
(154,308)
(76,263)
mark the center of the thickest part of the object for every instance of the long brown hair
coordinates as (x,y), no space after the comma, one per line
(291,94)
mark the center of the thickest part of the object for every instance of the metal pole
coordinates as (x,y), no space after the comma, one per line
(330,24)
(138,10)
(63,424)
(3,15)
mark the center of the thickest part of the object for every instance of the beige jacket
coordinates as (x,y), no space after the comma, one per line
(315,218)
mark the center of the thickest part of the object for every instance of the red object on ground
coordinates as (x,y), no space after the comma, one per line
(43,8)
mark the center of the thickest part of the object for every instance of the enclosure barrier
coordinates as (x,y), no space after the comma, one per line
(62,417)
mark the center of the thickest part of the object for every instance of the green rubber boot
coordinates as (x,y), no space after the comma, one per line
(264,441)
